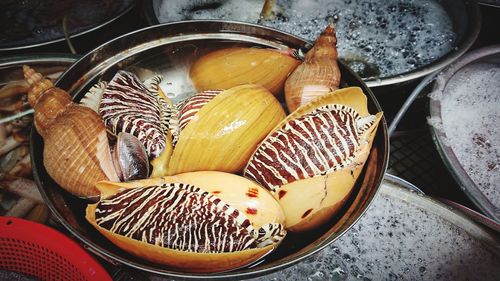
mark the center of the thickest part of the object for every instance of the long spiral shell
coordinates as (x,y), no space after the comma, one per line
(318,75)
(76,151)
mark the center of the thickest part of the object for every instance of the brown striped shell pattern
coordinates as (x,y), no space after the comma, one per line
(199,222)
(311,160)
(212,130)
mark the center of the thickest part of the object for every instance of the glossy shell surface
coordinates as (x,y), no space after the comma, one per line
(76,150)
(313,158)
(226,68)
(223,134)
(173,222)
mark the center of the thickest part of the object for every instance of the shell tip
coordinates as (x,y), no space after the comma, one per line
(31,76)
(330,29)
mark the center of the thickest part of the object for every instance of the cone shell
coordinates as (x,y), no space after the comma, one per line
(312,159)
(185,250)
(225,131)
(76,151)
(225,68)
(317,75)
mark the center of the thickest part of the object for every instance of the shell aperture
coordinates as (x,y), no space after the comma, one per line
(182,217)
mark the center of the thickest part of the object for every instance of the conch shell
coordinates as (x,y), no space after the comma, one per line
(197,222)
(311,160)
(76,150)
(225,68)
(319,74)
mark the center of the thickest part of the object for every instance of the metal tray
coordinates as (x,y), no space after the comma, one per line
(169,49)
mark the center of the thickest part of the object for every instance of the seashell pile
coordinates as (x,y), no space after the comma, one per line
(215,181)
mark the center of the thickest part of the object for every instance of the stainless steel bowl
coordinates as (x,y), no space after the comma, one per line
(30,24)
(169,49)
(46,63)
(404,236)
(11,67)
(443,141)
(465,17)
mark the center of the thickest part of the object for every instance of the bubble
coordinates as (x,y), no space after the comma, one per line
(414,25)
(470,109)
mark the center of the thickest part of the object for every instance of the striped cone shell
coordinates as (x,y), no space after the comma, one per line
(182,217)
(128,106)
(317,143)
(190,106)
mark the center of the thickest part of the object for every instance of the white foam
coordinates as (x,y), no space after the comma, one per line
(393,35)
(470,109)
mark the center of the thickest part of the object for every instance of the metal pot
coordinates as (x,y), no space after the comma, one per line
(169,49)
(38,23)
(464,15)
(453,157)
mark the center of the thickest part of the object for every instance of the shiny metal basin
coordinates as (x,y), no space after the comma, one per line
(169,49)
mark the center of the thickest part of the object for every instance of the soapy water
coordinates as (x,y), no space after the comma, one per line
(397,240)
(375,38)
(470,113)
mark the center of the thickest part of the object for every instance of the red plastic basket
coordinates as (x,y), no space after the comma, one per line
(40,251)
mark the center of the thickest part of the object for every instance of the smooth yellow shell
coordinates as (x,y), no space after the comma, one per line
(225,68)
(310,202)
(226,131)
(234,190)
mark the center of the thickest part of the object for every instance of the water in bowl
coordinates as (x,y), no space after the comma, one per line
(376,38)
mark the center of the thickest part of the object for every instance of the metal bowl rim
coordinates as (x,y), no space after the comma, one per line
(489,238)
(85,31)
(16,60)
(449,158)
(247,272)
(470,37)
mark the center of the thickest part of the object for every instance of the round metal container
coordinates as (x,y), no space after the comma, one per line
(169,49)
(39,23)
(458,75)
(46,63)
(491,3)
(464,15)
(11,67)
(404,235)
